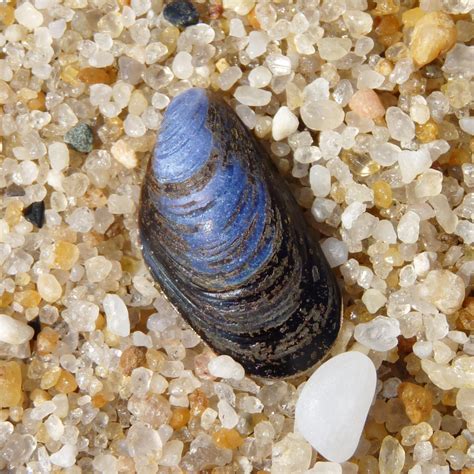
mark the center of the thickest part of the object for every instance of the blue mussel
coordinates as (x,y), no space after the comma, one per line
(229,246)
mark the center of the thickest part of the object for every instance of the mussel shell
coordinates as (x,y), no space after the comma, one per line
(226,241)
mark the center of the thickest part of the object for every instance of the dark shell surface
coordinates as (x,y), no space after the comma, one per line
(226,241)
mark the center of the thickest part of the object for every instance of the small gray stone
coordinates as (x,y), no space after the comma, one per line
(80,138)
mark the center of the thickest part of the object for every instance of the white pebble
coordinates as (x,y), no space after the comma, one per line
(260,77)
(28,16)
(227,415)
(229,77)
(13,331)
(116,314)
(252,96)
(335,251)
(380,334)
(409,227)
(225,367)
(285,122)
(385,232)
(413,163)
(351,213)
(258,41)
(182,65)
(322,114)
(241,7)
(65,457)
(320,180)
(278,64)
(467,125)
(333,405)
(332,49)
(400,125)
(373,300)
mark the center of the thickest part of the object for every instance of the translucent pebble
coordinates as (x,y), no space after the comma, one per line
(322,114)
(380,334)
(278,64)
(284,123)
(105,463)
(291,454)
(373,300)
(241,7)
(429,184)
(172,452)
(444,215)
(400,125)
(467,125)
(124,154)
(322,467)
(81,219)
(444,289)
(391,457)
(351,213)
(182,65)
(119,204)
(54,426)
(260,77)
(143,441)
(26,173)
(413,163)
(423,349)
(304,44)
(100,94)
(252,96)
(408,228)
(402,71)
(227,415)
(317,90)
(247,115)
(58,154)
(335,251)
(369,79)
(385,154)
(419,110)
(358,23)
(13,331)
(363,46)
(134,126)
(385,232)
(307,154)
(81,315)
(436,326)
(97,268)
(236,28)
(141,379)
(225,367)
(43,410)
(49,288)
(465,230)
(229,77)
(320,180)
(117,315)
(28,16)
(257,45)
(322,209)
(65,457)
(332,49)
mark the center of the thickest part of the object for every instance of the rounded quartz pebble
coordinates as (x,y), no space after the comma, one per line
(284,123)
(116,313)
(181,13)
(380,334)
(13,331)
(225,367)
(322,114)
(333,405)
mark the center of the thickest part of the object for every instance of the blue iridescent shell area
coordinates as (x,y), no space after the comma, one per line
(229,246)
